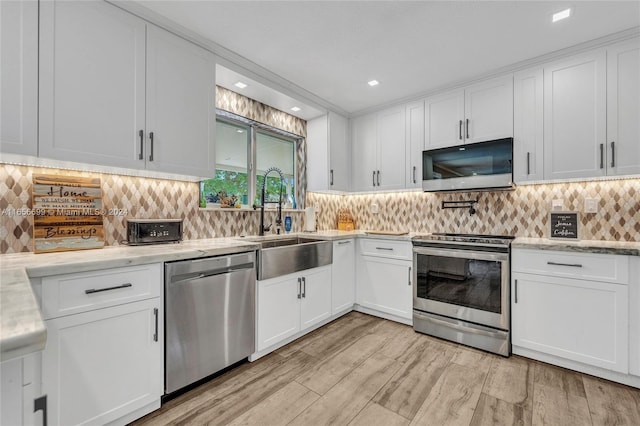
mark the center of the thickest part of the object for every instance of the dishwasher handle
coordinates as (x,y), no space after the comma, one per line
(179,279)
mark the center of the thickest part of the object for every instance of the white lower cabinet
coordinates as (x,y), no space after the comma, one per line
(104,361)
(384,279)
(292,303)
(566,313)
(343,276)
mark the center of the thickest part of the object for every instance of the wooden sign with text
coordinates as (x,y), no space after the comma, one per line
(67,213)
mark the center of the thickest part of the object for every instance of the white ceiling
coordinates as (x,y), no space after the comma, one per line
(332,48)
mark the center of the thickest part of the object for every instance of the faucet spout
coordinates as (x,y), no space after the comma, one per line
(264,228)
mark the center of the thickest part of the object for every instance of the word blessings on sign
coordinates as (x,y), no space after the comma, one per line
(67,213)
(564,225)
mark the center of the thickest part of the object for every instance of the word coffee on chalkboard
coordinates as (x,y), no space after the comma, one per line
(564,225)
(67,213)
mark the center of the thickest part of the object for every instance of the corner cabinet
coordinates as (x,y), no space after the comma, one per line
(477,113)
(384,279)
(378,154)
(19,77)
(571,306)
(104,357)
(290,304)
(125,93)
(328,153)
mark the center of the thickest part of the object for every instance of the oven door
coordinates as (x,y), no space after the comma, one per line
(463,284)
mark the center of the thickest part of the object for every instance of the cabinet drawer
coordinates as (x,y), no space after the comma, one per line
(386,248)
(84,291)
(587,266)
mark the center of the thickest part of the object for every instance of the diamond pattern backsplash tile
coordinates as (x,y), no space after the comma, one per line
(523,212)
(138,197)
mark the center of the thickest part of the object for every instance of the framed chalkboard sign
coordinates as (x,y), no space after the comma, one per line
(564,225)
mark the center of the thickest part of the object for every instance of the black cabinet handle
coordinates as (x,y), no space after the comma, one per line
(602,156)
(467,128)
(613,154)
(460,130)
(528,163)
(304,287)
(93,290)
(378,177)
(573,265)
(340,243)
(331,183)
(41,404)
(409,276)
(414,174)
(151,139)
(141,135)
(155,314)
(299,288)
(516,293)
(384,248)
(374,178)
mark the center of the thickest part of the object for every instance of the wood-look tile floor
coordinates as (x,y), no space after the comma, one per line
(362,370)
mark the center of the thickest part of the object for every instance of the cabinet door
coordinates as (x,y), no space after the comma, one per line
(488,108)
(92,83)
(623,108)
(391,149)
(585,321)
(315,304)
(19,77)
(181,114)
(339,153)
(575,117)
(414,143)
(385,285)
(318,178)
(363,154)
(343,277)
(101,365)
(443,120)
(278,310)
(528,129)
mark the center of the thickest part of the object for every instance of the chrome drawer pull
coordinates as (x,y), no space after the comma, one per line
(574,265)
(384,248)
(93,290)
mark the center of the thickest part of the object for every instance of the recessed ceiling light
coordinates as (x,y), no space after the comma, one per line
(373,83)
(240,85)
(563,14)
(295,109)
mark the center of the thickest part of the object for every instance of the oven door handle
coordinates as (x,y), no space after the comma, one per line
(464,254)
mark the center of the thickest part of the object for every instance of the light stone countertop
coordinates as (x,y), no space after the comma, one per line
(22,330)
(623,248)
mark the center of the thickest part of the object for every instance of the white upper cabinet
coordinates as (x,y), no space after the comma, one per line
(488,110)
(444,120)
(391,149)
(528,125)
(181,105)
(477,113)
(623,108)
(414,116)
(110,83)
(364,152)
(328,153)
(575,117)
(19,77)
(92,84)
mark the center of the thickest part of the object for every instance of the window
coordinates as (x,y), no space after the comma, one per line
(238,146)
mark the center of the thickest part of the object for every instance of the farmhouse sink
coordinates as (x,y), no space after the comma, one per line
(285,255)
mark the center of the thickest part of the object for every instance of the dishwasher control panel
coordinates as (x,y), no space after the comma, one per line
(153,231)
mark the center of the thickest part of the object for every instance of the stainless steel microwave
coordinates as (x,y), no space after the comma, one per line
(481,166)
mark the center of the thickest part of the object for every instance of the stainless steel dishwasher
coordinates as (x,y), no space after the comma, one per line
(209,316)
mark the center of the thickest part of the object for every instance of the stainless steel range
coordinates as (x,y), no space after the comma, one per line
(461,289)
